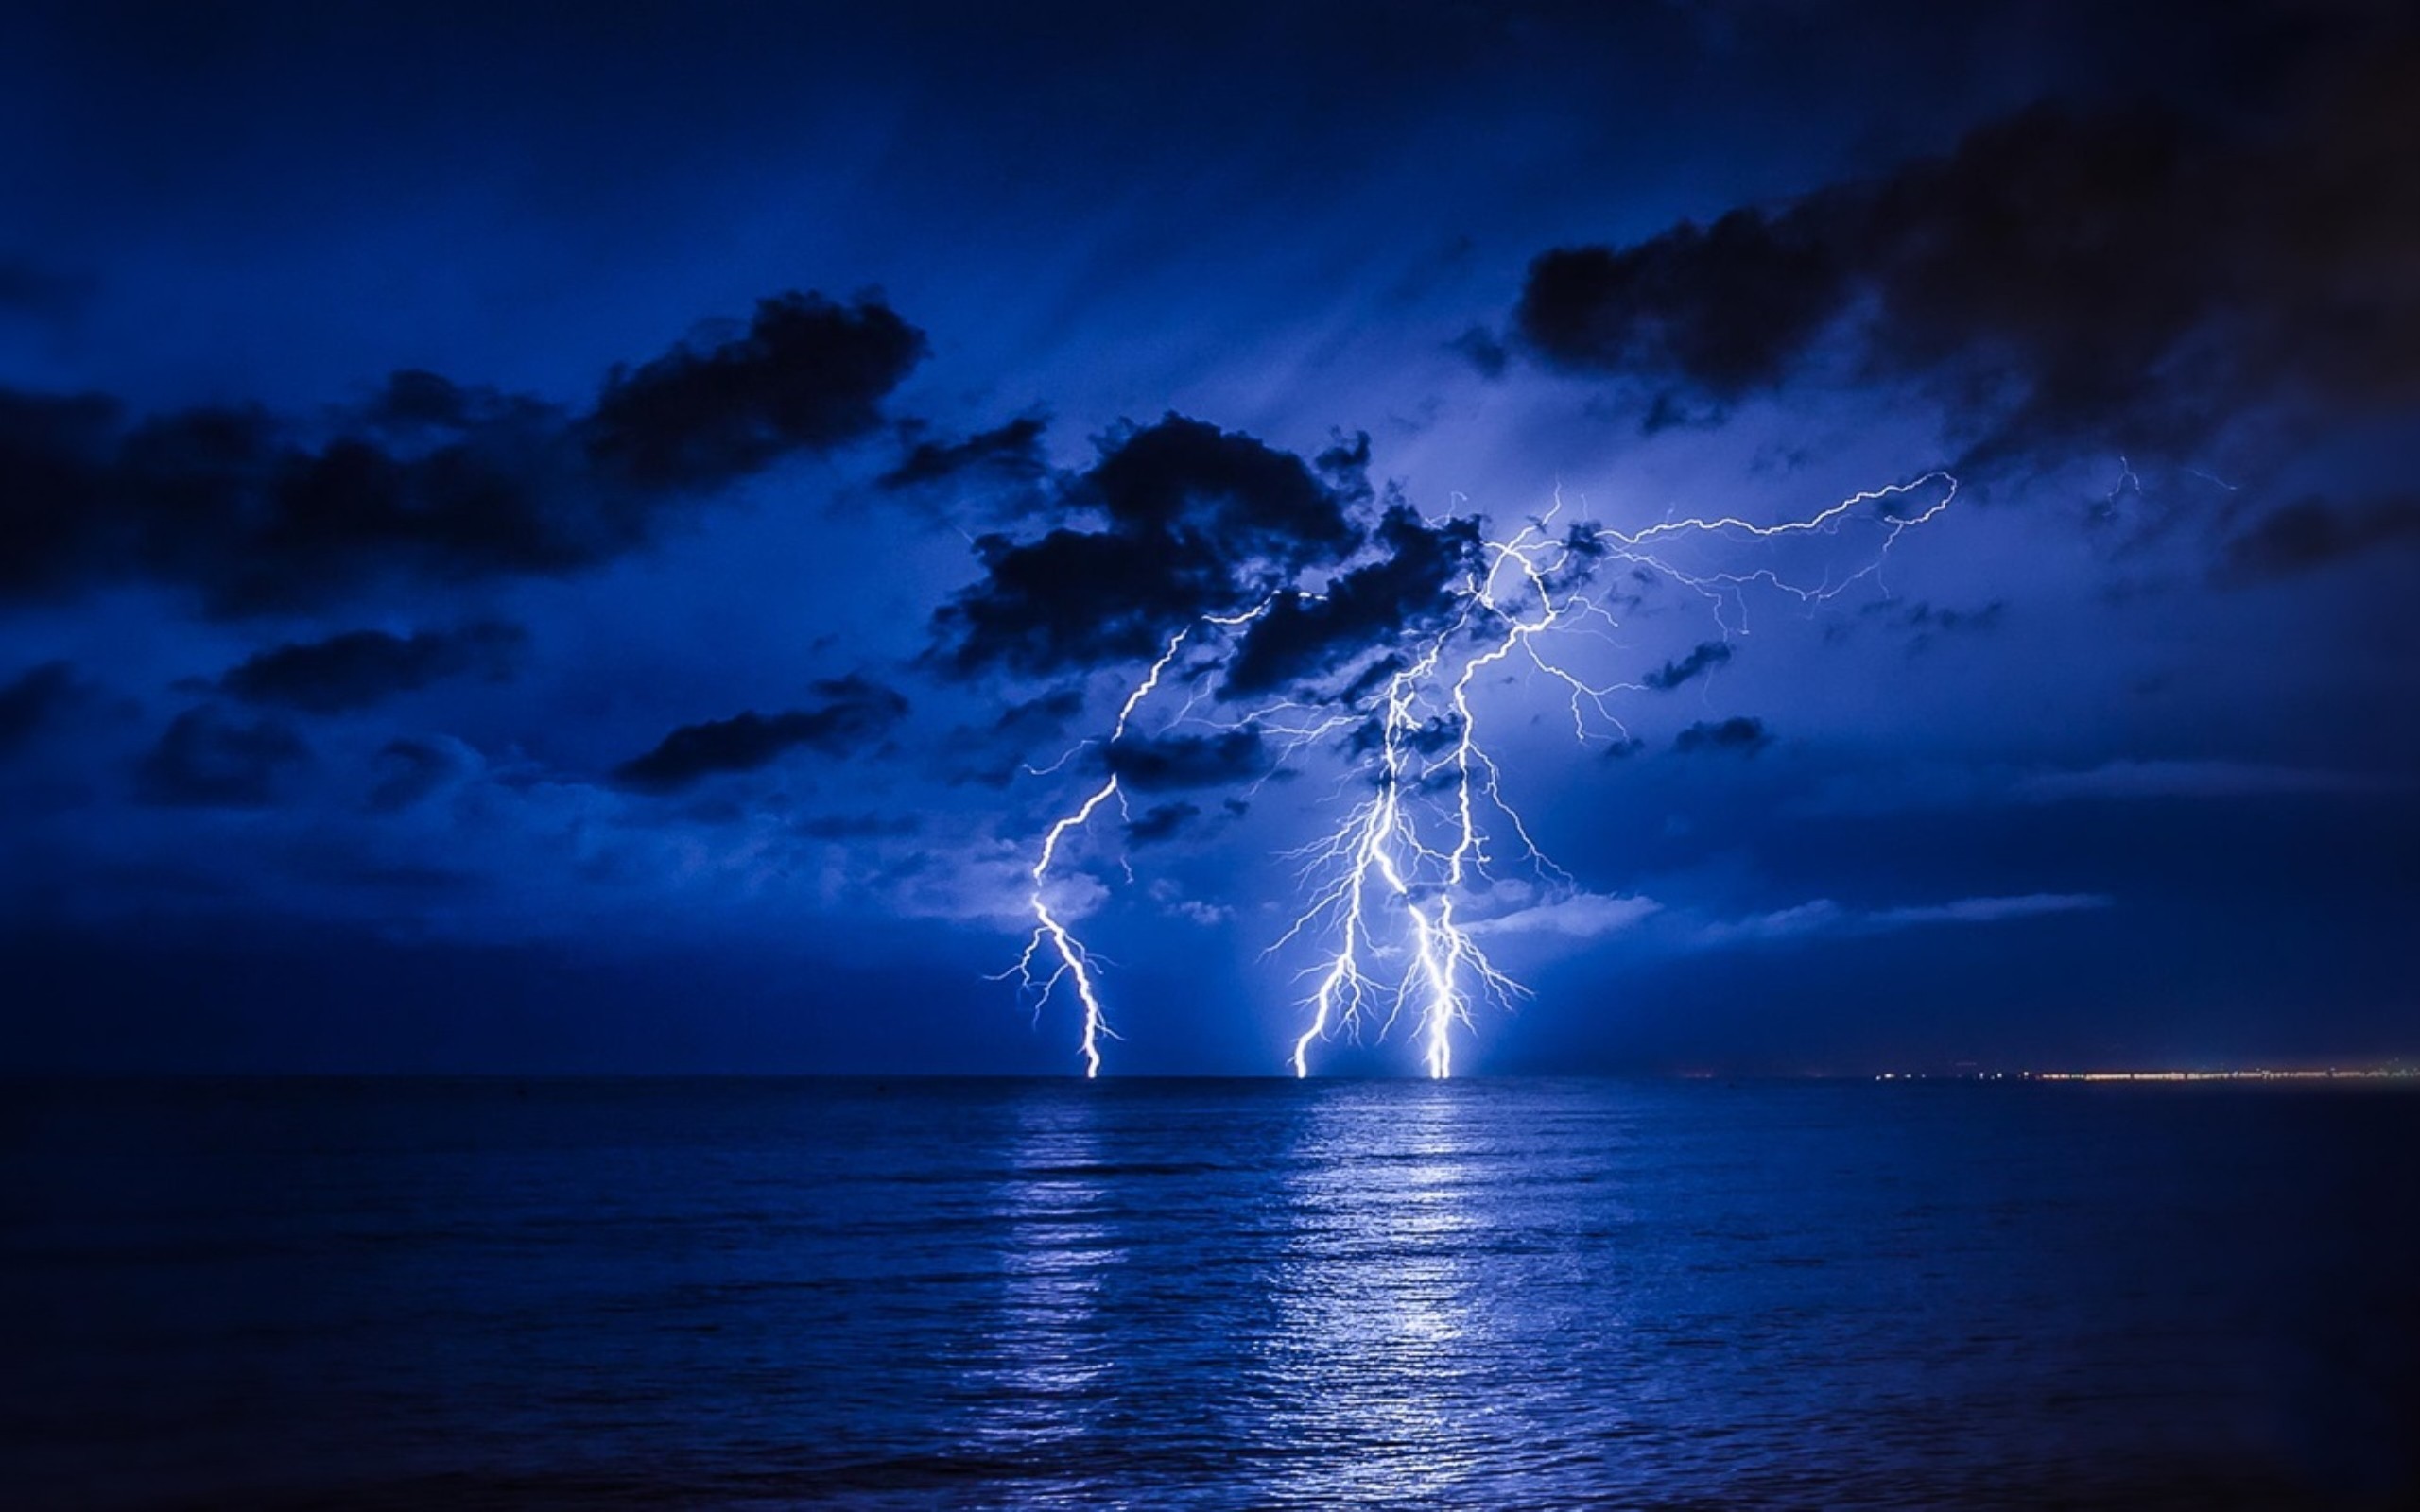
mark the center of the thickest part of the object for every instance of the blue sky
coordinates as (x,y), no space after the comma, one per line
(342,713)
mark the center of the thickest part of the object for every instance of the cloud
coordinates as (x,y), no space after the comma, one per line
(1306,637)
(1928,623)
(364,667)
(1191,521)
(1010,453)
(1580,916)
(1153,764)
(2065,279)
(1824,917)
(35,700)
(1586,916)
(983,880)
(809,373)
(431,481)
(1740,735)
(1707,657)
(2312,533)
(1181,521)
(208,760)
(1724,308)
(1164,822)
(855,712)
(1985,910)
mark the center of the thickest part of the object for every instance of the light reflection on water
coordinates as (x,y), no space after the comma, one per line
(1046,1359)
(1209,1294)
(1375,1334)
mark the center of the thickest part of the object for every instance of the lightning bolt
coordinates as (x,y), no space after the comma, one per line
(1384,843)
(1071,962)
(1385,889)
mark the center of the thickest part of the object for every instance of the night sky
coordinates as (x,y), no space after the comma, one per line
(555,539)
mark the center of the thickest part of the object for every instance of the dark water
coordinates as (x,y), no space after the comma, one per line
(1216,1295)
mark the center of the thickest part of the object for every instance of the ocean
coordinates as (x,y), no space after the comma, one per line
(1485,1294)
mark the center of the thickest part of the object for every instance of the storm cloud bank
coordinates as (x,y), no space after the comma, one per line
(2070,277)
(431,481)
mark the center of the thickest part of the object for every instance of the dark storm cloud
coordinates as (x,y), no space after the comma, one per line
(1011,451)
(2067,277)
(808,373)
(432,480)
(34,700)
(1739,734)
(209,760)
(2311,532)
(1305,637)
(853,713)
(363,667)
(1704,658)
(1160,764)
(1194,521)
(1164,822)
(1725,308)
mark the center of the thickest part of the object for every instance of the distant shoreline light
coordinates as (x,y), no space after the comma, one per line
(2364,1074)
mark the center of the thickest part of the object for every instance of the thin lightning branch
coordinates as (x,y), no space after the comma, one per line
(1387,888)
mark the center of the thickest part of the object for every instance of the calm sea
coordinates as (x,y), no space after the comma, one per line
(1173,1295)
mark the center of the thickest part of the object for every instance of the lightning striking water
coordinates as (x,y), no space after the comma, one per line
(1074,964)
(1386,887)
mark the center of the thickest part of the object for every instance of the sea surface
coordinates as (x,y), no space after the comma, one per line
(1176,1294)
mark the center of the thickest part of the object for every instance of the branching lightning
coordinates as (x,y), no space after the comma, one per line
(1389,887)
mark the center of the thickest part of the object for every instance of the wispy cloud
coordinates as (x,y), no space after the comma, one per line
(1824,917)
(1580,916)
